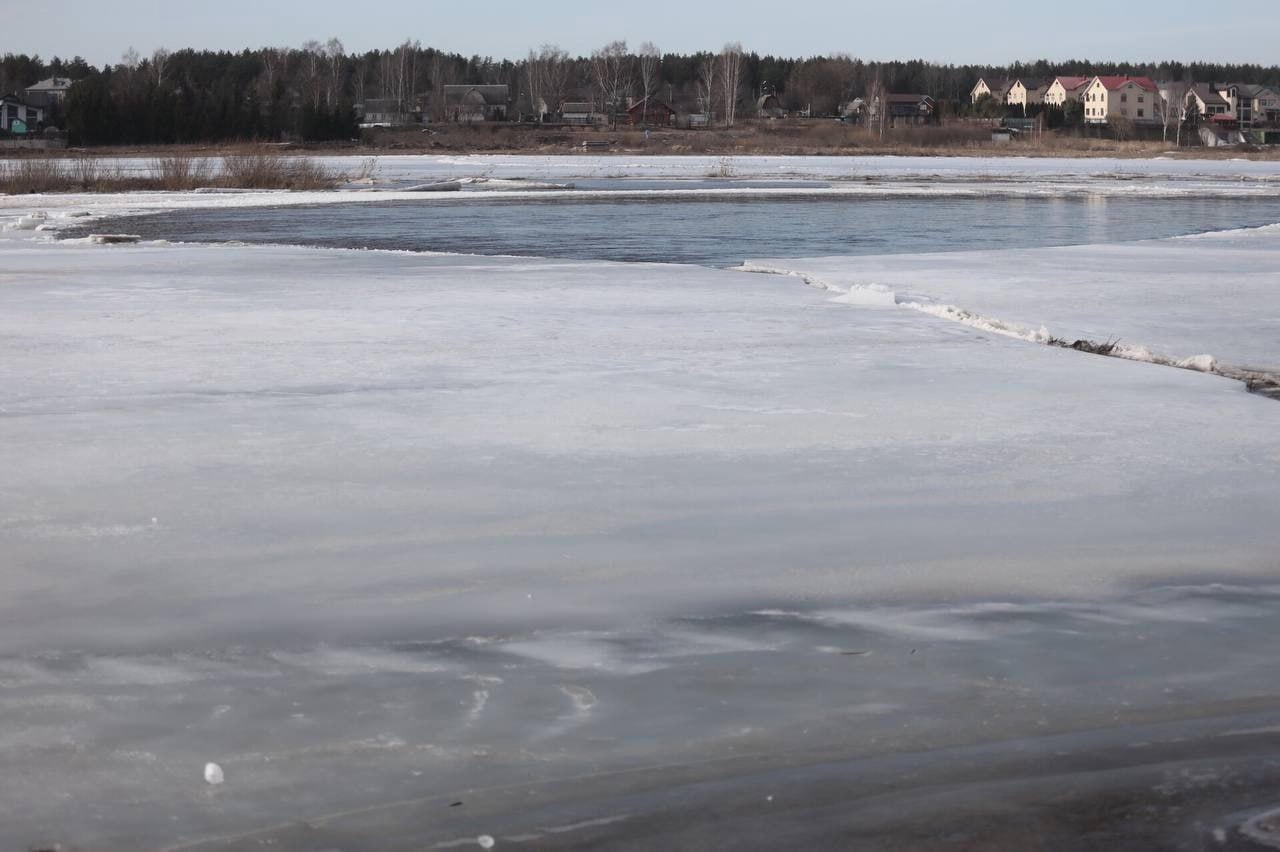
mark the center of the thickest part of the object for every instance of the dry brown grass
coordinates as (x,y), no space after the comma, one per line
(272,171)
(176,172)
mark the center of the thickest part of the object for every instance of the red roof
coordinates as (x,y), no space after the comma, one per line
(1071,83)
(1113,83)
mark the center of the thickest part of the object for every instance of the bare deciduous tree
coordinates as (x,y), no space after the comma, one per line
(611,67)
(730,80)
(877,104)
(707,85)
(1169,102)
(334,55)
(159,64)
(312,60)
(650,61)
(547,74)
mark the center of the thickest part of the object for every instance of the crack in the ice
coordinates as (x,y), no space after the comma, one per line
(1263,382)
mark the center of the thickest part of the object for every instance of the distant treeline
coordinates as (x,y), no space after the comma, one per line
(311,92)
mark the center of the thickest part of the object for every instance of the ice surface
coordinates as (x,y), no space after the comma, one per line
(472,432)
(376,527)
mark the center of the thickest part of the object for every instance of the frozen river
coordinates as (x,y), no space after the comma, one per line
(569,553)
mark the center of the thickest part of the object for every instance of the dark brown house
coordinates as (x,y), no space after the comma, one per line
(651,111)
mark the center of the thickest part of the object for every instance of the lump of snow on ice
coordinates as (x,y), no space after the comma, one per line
(1203,363)
(213,774)
(485,841)
(868,294)
(28,223)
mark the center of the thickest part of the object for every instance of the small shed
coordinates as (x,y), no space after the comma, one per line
(580,112)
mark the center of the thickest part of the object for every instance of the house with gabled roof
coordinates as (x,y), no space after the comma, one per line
(905,109)
(996,87)
(651,110)
(1064,89)
(1027,91)
(1107,99)
(48,92)
(1204,101)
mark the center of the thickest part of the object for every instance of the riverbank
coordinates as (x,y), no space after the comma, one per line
(816,137)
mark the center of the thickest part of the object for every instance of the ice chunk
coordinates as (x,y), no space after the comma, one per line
(213,774)
(486,842)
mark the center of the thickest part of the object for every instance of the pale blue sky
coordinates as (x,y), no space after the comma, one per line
(994,31)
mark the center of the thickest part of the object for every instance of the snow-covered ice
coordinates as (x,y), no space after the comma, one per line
(371,526)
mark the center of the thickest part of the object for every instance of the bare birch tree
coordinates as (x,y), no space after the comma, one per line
(611,67)
(159,64)
(877,104)
(730,80)
(1168,101)
(334,55)
(650,61)
(312,61)
(707,85)
(274,60)
(547,73)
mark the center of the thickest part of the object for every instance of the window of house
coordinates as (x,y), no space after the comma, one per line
(1142,99)
(1140,113)
(1124,98)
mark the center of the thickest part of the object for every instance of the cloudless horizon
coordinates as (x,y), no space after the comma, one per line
(1003,31)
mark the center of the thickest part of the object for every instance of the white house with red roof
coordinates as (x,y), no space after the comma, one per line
(1107,99)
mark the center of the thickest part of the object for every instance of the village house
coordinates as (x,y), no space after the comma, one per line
(651,110)
(1026,92)
(1204,101)
(48,93)
(1065,89)
(905,109)
(1266,106)
(18,117)
(466,104)
(1250,104)
(1107,99)
(581,112)
(383,112)
(996,87)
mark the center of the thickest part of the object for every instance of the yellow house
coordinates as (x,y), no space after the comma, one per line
(1064,89)
(996,87)
(1109,98)
(1027,92)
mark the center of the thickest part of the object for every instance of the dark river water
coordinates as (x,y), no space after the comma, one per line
(719,232)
